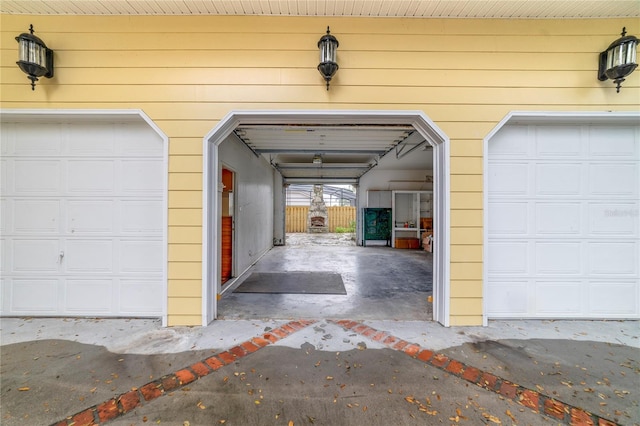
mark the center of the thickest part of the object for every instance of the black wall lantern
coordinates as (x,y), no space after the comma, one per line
(35,58)
(619,60)
(328,66)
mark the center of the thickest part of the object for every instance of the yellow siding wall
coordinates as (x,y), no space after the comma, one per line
(186,73)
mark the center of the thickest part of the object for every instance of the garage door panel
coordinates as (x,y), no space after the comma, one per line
(94,256)
(510,142)
(87,296)
(141,216)
(614,219)
(134,141)
(508,218)
(509,298)
(612,142)
(612,258)
(4,257)
(33,295)
(557,258)
(140,296)
(36,177)
(36,140)
(558,297)
(6,215)
(36,216)
(620,179)
(558,142)
(35,255)
(4,177)
(90,217)
(141,256)
(509,258)
(614,298)
(86,139)
(141,177)
(558,179)
(509,179)
(91,177)
(558,218)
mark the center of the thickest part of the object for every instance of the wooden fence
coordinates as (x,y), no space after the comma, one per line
(338,216)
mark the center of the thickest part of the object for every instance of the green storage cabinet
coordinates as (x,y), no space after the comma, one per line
(376,225)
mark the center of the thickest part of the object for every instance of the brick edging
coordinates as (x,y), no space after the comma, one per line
(126,402)
(532,399)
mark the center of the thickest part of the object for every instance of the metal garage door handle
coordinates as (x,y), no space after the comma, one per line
(61,256)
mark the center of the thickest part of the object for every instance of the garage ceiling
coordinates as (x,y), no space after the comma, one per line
(330,153)
(507,9)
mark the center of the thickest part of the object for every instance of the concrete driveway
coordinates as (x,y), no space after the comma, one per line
(324,372)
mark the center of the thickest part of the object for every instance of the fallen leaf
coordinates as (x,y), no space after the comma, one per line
(201,405)
(511,416)
(24,389)
(290,422)
(491,418)
(329,378)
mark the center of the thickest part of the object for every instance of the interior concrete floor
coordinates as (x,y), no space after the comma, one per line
(381,282)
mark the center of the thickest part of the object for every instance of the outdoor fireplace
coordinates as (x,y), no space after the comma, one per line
(318,218)
(317,221)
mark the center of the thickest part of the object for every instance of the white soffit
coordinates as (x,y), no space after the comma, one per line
(502,9)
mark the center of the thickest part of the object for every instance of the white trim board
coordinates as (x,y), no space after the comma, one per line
(425,126)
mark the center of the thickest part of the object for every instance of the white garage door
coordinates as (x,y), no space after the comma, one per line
(82,219)
(564,222)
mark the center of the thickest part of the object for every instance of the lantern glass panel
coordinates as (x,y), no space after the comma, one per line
(31,52)
(631,52)
(622,54)
(327,51)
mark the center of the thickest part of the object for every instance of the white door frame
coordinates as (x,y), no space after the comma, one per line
(110,116)
(536,117)
(211,186)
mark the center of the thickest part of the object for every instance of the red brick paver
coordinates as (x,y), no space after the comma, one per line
(122,404)
(545,405)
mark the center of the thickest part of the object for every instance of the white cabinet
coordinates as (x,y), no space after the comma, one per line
(379,199)
(412,214)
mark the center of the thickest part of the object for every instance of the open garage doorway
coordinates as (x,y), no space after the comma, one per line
(269,151)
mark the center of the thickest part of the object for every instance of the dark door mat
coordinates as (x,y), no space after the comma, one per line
(292,283)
